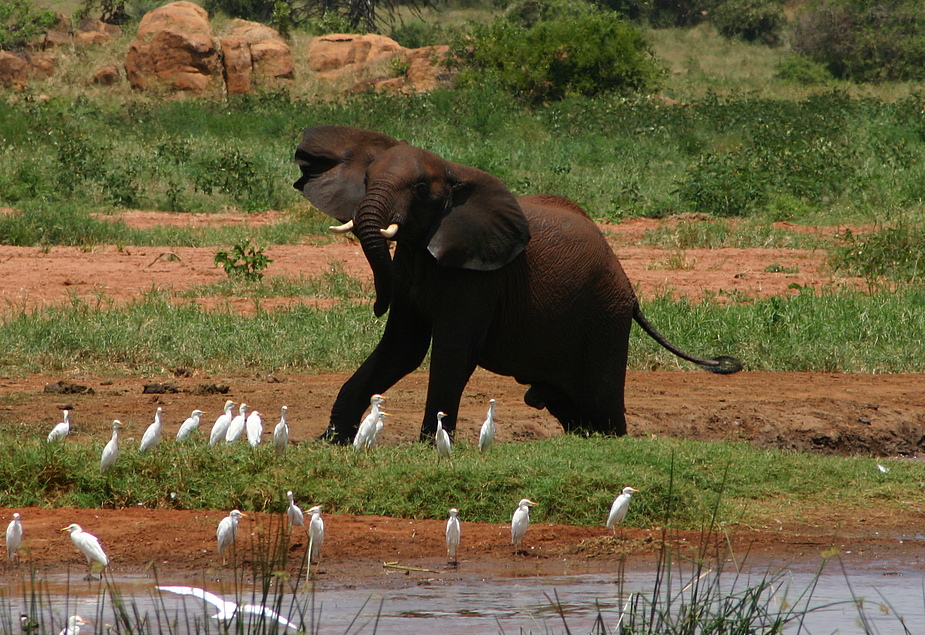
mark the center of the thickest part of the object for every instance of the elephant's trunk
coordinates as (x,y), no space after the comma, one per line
(371,217)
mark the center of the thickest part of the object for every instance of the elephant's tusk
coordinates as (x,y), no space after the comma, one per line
(390,231)
(342,229)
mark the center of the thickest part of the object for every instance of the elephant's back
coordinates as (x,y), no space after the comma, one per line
(564,294)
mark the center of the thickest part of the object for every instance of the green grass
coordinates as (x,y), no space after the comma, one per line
(573,479)
(832,331)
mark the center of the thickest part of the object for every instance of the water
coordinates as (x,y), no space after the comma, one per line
(504,605)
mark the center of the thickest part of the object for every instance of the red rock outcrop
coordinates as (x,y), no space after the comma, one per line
(378,62)
(255,51)
(174,48)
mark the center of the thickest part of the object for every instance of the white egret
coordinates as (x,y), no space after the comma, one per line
(220,427)
(442,439)
(295,515)
(368,425)
(521,521)
(152,435)
(88,544)
(452,535)
(227,531)
(13,536)
(619,508)
(315,533)
(74,623)
(236,427)
(111,451)
(281,434)
(62,429)
(190,425)
(374,435)
(228,611)
(254,426)
(487,433)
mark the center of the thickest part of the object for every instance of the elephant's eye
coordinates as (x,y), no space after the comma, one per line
(422,190)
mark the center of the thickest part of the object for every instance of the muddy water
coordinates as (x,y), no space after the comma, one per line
(503,605)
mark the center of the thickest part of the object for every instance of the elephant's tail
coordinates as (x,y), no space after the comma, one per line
(723,365)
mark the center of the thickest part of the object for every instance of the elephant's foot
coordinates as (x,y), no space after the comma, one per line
(332,436)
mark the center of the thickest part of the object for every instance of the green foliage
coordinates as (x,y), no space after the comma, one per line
(594,52)
(865,40)
(245,261)
(891,253)
(751,20)
(21,22)
(662,13)
(682,483)
(802,70)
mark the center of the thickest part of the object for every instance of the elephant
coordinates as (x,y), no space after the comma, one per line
(525,287)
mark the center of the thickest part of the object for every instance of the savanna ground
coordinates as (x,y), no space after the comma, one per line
(878,415)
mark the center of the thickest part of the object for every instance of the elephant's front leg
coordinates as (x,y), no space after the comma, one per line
(401,350)
(463,312)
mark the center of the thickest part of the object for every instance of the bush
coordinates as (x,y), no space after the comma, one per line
(19,23)
(591,53)
(750,20)
(662,13)
(865,40)
(802,70)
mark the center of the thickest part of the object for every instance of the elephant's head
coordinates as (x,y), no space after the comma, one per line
(382,189)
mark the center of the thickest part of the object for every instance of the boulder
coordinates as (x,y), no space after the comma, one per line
(174,47)
(360,56)
(14,70)
(106,75)
(42,65)
(237,65)
(372,61)
(254,50)
(92,32)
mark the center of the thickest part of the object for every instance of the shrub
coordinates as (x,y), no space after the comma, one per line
(662,13)
(750,20)
(20,22)
(592,53)
(865,40)
(243,261)
(802,70)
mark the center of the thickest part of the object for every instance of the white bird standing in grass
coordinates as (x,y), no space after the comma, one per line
(442,439)
(62,429)
(88,544)
(368,425)
(487,433)
(152,435)
(374,435)
(111,451)
(281,434)
(619,508)
(295,515)
(254,425)
(220,427)
(452,535)
(13,536)
(236,427)
(74,623)
(521,521)
(315,533)
(228,611)
(190,425)
(227,531)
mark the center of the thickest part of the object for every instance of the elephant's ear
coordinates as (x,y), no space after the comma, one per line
(483,229)
(333,160)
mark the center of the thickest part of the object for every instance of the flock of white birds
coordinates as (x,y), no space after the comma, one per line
(228,428)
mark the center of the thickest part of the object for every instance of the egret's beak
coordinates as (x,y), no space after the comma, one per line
(64,529)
